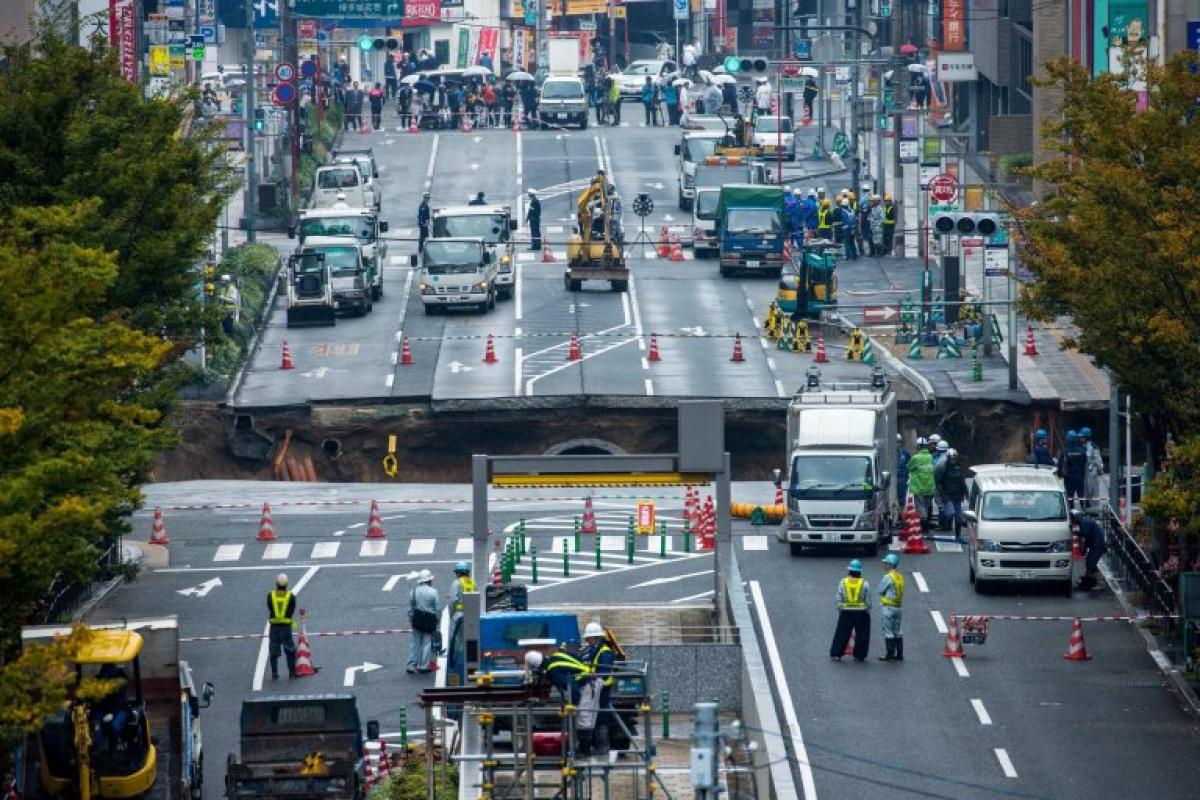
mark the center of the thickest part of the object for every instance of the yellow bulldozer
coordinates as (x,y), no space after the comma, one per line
(595,251)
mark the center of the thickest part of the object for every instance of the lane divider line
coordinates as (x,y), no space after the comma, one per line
(1005,763)
(938,622)
(960,667)
(920,581)
(980,711)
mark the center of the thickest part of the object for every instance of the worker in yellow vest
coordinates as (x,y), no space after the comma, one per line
(891,599)
(281,605)
(825,217)
(854,614)
(601,658)
(463,584)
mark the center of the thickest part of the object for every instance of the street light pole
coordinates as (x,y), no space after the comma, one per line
(250,196)
(855,76)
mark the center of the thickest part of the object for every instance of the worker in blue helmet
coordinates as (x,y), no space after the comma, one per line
(1072,466)
(1041,449)
(891,599)
(1095,463)
(854,614)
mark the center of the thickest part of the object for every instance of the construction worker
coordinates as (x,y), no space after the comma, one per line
(533,218)
(1041,449)
(1091,542)
(424,217)
(889,224)
(921,482)
(281,605)
(952,489)
(424,612)
(825,218)
(891,599)
(478,200)
(1095,463)
(808,212)
(902,458)
(463,583)
(854,614)
(600,658)
(1072,466)
(569,674)
(850,228)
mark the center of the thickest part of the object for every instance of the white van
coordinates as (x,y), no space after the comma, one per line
(1018,526)
(342,183)
(705,242)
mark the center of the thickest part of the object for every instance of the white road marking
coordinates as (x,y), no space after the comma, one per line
(625,306)
(754,542)
(518,306)
(339,533)
(939,622)
(779,390)
(408,281)
(612,543)
(517,371)
(649,387)
(1161,659)
(395,358)
(260,665)
(277,551)
(372,548)
(421,547)
(637,313)
(654,542)
(302,565)
(432,160)
(464,546)
(364,668)
(960,667)
(771,364)
(948,547)
(527,256)
(355,526)
(920,581)
(693,597)
(325,550)
(785,695)
(645,364)
(1005,763)
(390,379)
(395,579)
(229,552)
(980,711)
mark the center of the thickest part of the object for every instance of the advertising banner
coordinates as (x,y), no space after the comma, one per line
(418,13)
(954,31)
(489,39)
(464,47)
(122,33)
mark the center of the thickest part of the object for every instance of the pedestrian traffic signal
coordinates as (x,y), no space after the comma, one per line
(260,120)
(365,43)
(966,224)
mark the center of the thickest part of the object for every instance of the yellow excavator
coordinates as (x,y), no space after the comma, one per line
(595,250)
(739,140)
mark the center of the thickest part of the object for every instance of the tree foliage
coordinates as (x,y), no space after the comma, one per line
(1116,243)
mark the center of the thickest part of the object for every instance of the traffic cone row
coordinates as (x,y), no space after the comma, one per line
(406,358)
(1030,344)
(385,763)
(285,360)
(707,529)
(953,647)
(653,354)
(1076,649)
(266,528)
(737,349)
(374,523)
(575,353)
(664,242)
(676,251)
(158,529)
(589,517)
(489,353)
(304,665)
(547,254)
(821,358)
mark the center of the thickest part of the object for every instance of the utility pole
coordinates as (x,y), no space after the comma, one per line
(250,196)
(825,109)
(290,52)
(855,75)
(540,38)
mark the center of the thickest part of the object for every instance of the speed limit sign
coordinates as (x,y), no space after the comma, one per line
(284,71)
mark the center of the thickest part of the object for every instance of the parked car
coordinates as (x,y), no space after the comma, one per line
(633,78)
(776,133)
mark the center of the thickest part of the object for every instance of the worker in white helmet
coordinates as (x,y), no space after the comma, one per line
(424,614)
(601,658)
(281,605)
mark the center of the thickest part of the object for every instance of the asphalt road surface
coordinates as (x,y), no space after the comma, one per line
(693,310)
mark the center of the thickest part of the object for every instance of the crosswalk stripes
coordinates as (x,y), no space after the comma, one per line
(325,550)
(229,552)
(277,551)
(421,547)
(373,548)
(464,547)
(754,542)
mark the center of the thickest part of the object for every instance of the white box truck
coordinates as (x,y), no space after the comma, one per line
(841,466)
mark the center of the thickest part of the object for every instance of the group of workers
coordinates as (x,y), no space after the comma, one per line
(863,224)
(853,599)
(937,480)
(1079,463)
(584,678)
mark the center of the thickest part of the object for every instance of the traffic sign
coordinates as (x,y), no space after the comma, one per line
(308,68)
(643,205)
(284,71)
(645,517)
(841,144)
(195,48)
(283,94)
(209,32)
(880,315)
(944,188)
(682,8)
(307,28)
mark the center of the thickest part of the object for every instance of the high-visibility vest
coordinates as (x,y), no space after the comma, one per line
(468,585)
(898,582)
(853,589)
(279,607)
(566,662)
(823,219)
(601,650)
(889,215)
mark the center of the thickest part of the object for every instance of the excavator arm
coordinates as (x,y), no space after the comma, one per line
(583,212)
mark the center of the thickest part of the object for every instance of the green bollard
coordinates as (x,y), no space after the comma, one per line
(630,547)
(577,536)
(598,566)
(662,540)
(687,536)
(666,715)
(523,542)
(404,731)
(533,564)
(566,560)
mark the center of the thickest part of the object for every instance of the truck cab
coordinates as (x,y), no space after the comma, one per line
(456,273)
(494,225)
(364,157)
(693,148)
(562,101)
(349,278)
(841,465)
(751,228)
(361,224)
(705,241)
(343,183)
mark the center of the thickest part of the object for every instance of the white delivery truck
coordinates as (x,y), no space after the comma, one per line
(841,466)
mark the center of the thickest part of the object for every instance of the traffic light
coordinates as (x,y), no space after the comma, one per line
(260,120)
(392,44)
(379,44)
(978,224)
(735,65)
(366,43)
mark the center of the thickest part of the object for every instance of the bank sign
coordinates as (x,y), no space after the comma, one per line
(351,9)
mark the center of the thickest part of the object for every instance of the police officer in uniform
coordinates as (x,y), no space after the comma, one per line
(281,605)
(424,217)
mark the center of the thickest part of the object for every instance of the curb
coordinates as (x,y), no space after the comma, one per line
(256,343)
(1187,695)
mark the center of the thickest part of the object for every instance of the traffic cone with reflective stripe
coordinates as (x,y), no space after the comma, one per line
(1077,650)
(676,251)
(914,544)
(779,495)
(489,353)
(1076,550)
(575,353)
(737,349)
(285,361)
(385,762)
(547,254)
(653,354)
(266,528)
(589,517)
(158,529)
(953,647)
(1030,344)
(406,358)
(374,523)
(850,644)
(304,665)
(821,358)
(664,242)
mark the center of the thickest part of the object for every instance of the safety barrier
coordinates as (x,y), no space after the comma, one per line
(1130,564)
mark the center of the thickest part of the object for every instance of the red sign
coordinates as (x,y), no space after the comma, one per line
(122,34)
(418,13)
(953,27)
(307,28)
(489,39)
(943,188)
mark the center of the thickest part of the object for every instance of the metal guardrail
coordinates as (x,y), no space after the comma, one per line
(1130,564)
(64,598)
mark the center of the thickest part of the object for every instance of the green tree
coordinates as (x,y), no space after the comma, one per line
(71,128)
(1116,242)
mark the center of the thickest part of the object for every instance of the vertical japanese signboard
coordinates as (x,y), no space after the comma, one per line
(122,34)
(953,27)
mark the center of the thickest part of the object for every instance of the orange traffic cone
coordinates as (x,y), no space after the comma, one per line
(737,349)
(787,251)
(589,517)
(385,763)
(489,353)
(158,529)
(406,358)
(821,358)
(374,523)
(364,128)
(575,353)
(304,665)
(266,528)
(412,125)
(912,522)
(914,543)
(779,496)
(285,361)
(676,251)
(850,644)
(664,242)
(953,647)
(1076,550)
(1030,345)
(547,254)
(516,126)
(1077,650)
(653,354)
(466,124)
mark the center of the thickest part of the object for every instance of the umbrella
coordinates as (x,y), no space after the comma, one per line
(917,68)
(908,49)
(519,76)
(477,70)
(706,76)
(810,72)
(424,85)
(720,79)
(410,79)
(887,76)
(681,82)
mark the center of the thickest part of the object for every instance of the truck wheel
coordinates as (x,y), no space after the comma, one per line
(583,122)
(290,323)
(971,574)
(979,587)
(872,549)
(796,548)
(377,292)
(491,303)
(429,310)
(619,286)
(1068,588)
(724,271)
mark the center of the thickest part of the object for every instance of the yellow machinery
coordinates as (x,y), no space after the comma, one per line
(739,142)
(594,251)
(101,748)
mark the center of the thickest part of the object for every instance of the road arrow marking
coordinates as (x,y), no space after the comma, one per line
(670,579)
(477,139)
(694,331)
(364,667)
(392,581)
(655,185)
(202,590)
(319,372)
(668,217)
(457,367)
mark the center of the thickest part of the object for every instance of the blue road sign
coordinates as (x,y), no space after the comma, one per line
(1193,34)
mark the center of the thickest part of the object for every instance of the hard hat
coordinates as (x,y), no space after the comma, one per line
(866,187)
(533,659)
(854,566)
(426,195)
(531,190)
(934,438)
(922,441)
(593,629)
(281,579)
(876,197)
(1040,433)
(892,559)
(887,198)
(812,192)
(824,202)
(761,79)
(425,577)
(843,202)
(1072,436)
(462,568)
(1085,433)
(820,190)
(943,446)
(787,190)
(227,278)
(900,437)
(951,453)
